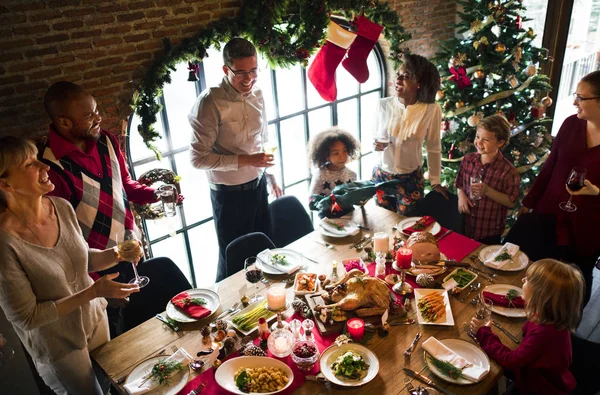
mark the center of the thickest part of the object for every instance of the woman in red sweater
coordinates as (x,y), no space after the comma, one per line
(546,231)
(553,292)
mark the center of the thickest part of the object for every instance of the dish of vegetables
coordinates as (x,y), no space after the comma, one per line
(463,277)
(349,365)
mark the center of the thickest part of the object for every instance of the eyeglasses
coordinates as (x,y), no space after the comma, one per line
(239,73)
(579,99)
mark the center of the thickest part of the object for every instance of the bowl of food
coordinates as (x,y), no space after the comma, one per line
(305,283)
(254,374)
(355,263)
(349,365)
(305,355)
(463,278)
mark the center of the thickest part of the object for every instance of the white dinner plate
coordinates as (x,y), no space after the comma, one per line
(448,319)
(468,351)
(331,353)
(177,382)
(520,260)
(502,289)
(434,228)
(225,374)
(350,228)
(291,256)
(212,303)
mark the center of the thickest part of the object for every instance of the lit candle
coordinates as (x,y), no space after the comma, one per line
(381,242)
(276,298)
(356,328)
(404,258)
(281,345)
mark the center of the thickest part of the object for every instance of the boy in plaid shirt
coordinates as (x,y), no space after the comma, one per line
(486,203)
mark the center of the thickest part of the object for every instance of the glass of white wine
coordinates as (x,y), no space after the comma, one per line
(270,147)
(130,250)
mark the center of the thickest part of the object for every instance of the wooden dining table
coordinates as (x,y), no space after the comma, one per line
(121,355)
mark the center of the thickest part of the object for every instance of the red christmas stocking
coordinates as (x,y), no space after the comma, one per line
(367,34)
(322,70)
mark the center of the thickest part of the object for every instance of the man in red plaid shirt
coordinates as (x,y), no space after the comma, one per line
(487,201)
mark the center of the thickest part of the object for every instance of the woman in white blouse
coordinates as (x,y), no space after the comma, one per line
(405,121)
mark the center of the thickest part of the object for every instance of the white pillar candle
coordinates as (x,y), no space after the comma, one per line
(381,242)
(276,298)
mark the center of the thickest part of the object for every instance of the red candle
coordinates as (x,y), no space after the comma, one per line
(356,328)
(404,258)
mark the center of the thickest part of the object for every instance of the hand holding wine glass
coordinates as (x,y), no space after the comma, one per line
(588,189)
(130,250)
(575,182)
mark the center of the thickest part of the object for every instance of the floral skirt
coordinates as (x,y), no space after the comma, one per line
(403,199)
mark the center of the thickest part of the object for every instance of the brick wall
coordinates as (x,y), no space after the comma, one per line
(107,46)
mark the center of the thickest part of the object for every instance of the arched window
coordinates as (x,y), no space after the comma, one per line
(295,111)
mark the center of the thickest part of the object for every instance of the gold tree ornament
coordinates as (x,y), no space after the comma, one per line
(439,95)
(500,48)
(476,26)
(473,121)
(531,70)
(479,74)
(546,101)
(512,80)
(460,104)
(459,59)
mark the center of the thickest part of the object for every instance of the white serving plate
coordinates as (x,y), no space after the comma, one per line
(502,289)
(331,353)
(419,293)
(468,351)
(224,376)
(520,260)
(434,228)
(212,303)
(350,228)
(292,257)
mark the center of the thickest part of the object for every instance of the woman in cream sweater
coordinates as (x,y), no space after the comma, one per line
(405,121)
(45,290)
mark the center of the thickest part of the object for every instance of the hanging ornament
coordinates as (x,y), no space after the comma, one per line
(464,146)
(460,104)
(546,101)
(518,54)
(519,22)
(531,157)
(512,80)
(499,12)
(476,26)
(482,42)
(445,125)
(439,95)
(531,70)
(459,59)
(496,30)
(489,81)
(500,48)
(451,152)
(473,121)
(479,74)
(193,71)
(537,111)
(530,32)
(459,75)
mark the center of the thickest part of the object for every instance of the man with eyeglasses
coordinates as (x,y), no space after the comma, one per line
(230,130)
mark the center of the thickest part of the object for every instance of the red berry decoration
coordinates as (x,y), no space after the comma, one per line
(305,350)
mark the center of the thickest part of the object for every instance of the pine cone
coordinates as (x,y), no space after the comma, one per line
(425,280)
(301,308)
(229,343)
(221,325)
(254,351)
(205,332)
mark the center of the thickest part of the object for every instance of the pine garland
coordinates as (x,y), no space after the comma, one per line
(285,32)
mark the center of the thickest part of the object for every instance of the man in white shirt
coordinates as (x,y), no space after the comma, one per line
(230,129)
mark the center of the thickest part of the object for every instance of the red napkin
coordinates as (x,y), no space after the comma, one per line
(456,246)
(426,220)
(502,300)
(193,310)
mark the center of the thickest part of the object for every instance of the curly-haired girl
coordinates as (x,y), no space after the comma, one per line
(329,152)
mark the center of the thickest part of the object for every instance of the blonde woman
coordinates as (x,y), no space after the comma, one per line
(56,309)
(553,293)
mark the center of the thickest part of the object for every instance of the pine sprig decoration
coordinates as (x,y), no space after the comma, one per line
(163,370)
(285,32)
(446,368)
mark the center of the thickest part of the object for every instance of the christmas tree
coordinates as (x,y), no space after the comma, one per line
(494,68)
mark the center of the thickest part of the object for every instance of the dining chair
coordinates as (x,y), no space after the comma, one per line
(243,247)
(585,365)
(289,220)
(445,211)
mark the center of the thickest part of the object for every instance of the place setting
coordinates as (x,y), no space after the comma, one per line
(507,257)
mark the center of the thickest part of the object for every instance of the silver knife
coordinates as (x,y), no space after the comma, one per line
(425,380)
(507,333)
(445,234)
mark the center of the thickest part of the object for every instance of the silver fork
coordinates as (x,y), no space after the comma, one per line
(410,349)
(330,246)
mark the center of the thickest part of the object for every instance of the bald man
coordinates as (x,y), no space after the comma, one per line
(88,169)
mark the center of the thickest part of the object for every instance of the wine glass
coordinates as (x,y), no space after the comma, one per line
(130,250)
(575,183)
(168,196)
(475,180)
(6,352)
(253,274)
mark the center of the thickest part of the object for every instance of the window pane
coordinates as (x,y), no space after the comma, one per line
(374,81)
(583,44)
(348,116)
(346,83)
(180,96)
(137,147)
(301,192)
(213,67)
(368,120)
(205,253)
(293,150)
(289,88)
(319,120)
(194,188)
(536,10)
(174,248)
(265,84)
(368,162)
